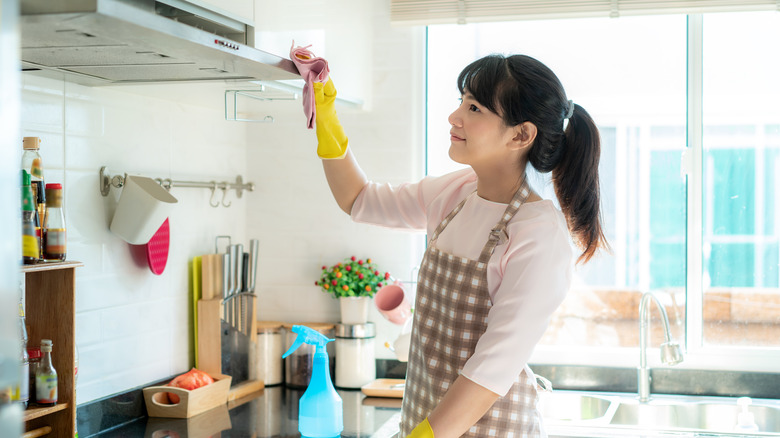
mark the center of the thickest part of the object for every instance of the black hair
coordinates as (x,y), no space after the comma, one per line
(521,89)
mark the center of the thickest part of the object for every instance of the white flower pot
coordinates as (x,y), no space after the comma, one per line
(354,310)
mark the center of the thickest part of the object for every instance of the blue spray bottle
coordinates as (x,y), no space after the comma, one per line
(320,408)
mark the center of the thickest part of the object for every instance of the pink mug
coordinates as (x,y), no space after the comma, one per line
(392,303)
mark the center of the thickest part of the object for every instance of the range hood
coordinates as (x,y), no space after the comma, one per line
(107,42)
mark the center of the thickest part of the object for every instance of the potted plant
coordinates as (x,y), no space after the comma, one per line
(353,281)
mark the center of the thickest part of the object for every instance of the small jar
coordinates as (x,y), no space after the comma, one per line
(35,360)
(270,347)
(298,365)
(355,359)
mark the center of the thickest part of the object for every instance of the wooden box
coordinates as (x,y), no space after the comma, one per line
(191,403)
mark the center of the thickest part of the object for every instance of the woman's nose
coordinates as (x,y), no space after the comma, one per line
(454,119)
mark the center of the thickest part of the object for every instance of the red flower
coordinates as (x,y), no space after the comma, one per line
(334,282)
(348,268)
(360,276)
(352,258)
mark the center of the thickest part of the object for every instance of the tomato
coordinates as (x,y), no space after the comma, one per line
(192,379)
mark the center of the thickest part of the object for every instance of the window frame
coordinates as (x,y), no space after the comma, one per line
(697,355)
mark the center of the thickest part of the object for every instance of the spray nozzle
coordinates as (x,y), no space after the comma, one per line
(309,336)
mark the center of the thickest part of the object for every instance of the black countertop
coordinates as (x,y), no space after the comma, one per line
(272,412)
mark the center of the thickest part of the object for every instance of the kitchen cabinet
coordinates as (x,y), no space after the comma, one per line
(341,32)
(50,309)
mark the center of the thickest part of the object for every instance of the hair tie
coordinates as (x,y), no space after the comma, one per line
(571,110)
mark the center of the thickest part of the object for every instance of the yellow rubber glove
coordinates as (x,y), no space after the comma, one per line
(332,142)
(423,430)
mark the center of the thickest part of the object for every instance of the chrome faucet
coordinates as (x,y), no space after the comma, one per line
(671,353)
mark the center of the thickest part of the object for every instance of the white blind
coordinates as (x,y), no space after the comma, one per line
(469,11)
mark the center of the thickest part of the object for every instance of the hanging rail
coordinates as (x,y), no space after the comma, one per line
(118,181)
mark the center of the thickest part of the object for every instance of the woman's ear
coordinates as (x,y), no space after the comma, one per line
(525,134)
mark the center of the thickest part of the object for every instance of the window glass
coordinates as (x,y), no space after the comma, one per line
(740,212)
(629,74)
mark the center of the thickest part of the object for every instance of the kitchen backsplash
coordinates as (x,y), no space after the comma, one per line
(133,327)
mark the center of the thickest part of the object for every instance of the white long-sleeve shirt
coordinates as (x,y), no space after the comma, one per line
(528,276)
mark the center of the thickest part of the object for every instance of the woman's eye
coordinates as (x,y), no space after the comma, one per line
(474,108)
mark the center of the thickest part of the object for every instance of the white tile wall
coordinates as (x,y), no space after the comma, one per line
(133,327)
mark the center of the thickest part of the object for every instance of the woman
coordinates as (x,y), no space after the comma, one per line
(498,261)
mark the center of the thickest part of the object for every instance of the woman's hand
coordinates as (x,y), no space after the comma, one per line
(423,430)
(332,142)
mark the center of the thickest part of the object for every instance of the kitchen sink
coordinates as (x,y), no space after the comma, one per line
(581,413)
(567,406)
(711,417)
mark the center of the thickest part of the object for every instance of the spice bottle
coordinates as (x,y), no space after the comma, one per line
(22,392)
(46,377)
(30,242)
(35,355)
(33,164)
(54,235)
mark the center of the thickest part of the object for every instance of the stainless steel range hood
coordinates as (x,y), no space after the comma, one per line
(106,42)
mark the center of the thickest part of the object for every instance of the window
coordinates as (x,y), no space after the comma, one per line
(688,174)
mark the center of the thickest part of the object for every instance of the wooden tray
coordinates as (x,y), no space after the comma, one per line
(191,403)
(384,388)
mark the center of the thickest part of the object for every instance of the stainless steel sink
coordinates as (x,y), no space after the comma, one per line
(582,413)
(705,416)
(576,407)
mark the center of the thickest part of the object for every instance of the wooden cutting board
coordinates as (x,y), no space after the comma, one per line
(211,276)
(209,337)
(384,388)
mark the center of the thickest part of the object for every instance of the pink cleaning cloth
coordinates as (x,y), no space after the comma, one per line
(312,69)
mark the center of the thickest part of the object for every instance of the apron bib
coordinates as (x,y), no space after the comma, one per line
(450,315)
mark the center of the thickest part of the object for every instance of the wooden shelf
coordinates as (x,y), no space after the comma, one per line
(34,412)
(50,311)
(50,266)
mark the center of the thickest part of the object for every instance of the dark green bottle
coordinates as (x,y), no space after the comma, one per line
(31,244)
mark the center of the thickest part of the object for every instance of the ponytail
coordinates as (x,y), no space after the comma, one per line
(576,183)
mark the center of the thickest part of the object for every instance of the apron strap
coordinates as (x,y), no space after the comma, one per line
(498,234)
(443,224)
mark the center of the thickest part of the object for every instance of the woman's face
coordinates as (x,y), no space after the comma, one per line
(478,136)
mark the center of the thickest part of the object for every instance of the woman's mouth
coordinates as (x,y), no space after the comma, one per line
(454,137)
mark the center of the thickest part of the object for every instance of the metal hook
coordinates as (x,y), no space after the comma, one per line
(224,195)
(211,199)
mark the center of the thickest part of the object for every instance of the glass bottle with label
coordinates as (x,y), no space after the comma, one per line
(30,242)
(46,377)
(22,392)
(54,235)
(32,163)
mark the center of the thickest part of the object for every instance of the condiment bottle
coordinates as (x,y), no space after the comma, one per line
(22,393)
(46,377)
(35,359)
(30,242)
(33,164)
(54,235)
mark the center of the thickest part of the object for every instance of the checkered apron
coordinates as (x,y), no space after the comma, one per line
(450,315)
